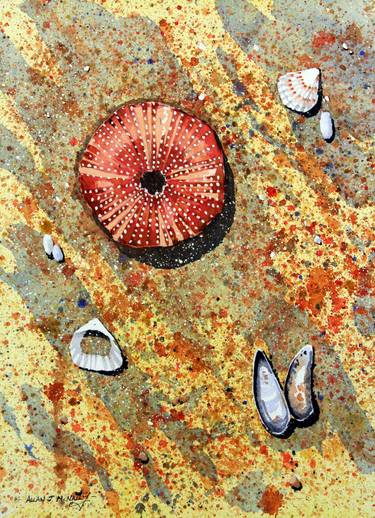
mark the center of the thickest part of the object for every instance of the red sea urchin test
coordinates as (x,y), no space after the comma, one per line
(153,176)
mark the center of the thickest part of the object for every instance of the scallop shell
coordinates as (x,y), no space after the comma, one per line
(48,245)
(326,125)
(299,91)
(269,397)
(57,254)
(298,385)
(113,361)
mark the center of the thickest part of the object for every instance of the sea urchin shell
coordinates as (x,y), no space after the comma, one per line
(153,176)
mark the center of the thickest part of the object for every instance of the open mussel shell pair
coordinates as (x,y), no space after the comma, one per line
(279,410)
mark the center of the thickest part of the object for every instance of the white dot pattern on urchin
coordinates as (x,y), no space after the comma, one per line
(157,138)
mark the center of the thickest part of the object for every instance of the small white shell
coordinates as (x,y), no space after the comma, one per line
(48,244)
(318,240)
(95,362)
(57,254)
(326,125)
(299,91)
(269,397)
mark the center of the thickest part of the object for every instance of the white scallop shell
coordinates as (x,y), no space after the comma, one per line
(269,397)
(95,362)
(57,254)
(298,385)
(48,244)
(299,91)
(326,125)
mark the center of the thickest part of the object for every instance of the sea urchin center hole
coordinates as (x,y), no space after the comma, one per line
(153,181)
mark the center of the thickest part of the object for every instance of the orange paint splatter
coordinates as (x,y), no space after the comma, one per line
(288,461)
(55,391)
(263,449)
(271,500)
(76,427)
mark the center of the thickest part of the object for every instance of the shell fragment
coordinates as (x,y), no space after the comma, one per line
(109,363)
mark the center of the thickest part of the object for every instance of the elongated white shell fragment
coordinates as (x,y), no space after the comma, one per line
(57,254)
(299,91)
(298,385)
(95,362)
(48,244)
(269,397)
(326,125)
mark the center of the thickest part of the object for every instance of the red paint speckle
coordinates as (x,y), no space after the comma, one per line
(263,449)
(271,500)
(323,39)
(55,391)
(288,461)
(76,427)
(271,191)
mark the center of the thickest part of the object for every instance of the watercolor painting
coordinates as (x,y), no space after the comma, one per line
(186,258)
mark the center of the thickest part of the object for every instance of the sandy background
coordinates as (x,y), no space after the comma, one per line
(190,333)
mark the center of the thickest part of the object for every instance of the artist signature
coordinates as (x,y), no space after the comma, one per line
(75,501)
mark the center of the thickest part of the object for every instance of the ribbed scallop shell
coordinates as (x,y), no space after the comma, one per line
(269,397)
(299,91)
(298,385)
